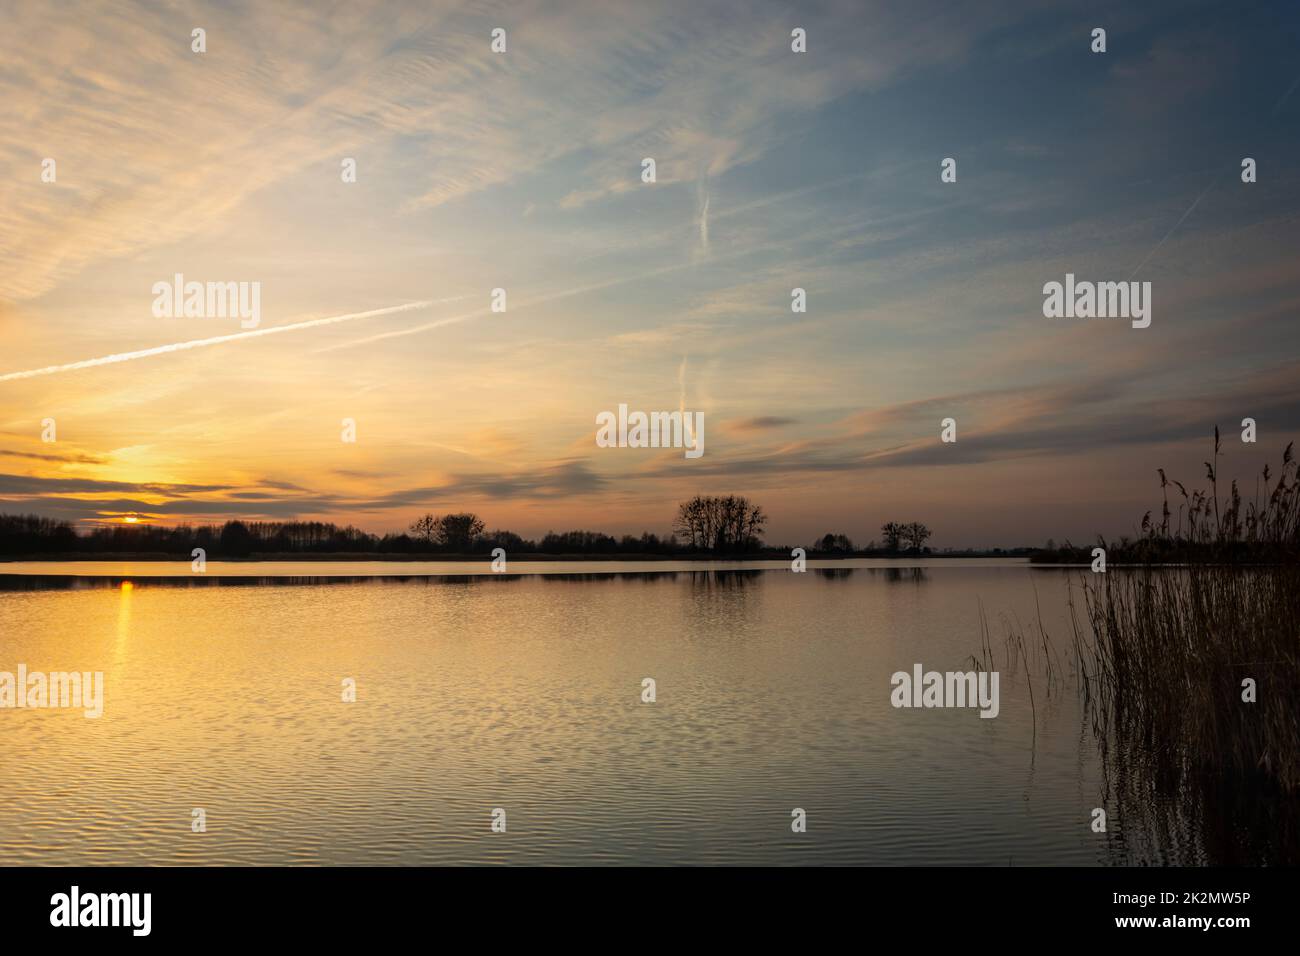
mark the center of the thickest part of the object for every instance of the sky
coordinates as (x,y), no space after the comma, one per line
(775,170)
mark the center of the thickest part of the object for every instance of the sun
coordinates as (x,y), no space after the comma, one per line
(131,519)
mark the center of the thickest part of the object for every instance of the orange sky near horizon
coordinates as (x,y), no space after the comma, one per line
(522,171)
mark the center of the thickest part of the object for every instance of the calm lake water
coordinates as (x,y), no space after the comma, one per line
(523,692)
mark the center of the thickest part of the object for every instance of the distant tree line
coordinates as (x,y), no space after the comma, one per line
(464,533)
(719,525)
(34,535)
(715,525)
(899,538)
(835,544)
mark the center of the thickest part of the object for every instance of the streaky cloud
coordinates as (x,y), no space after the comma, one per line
(221,339)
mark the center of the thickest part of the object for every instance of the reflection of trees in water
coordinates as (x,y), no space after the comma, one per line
(834,574)
(704,577)
(732,579)
(893,575)
(900,575)
(708,578)
(592,577)
(724,606)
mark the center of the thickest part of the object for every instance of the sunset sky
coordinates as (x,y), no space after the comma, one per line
(522,170)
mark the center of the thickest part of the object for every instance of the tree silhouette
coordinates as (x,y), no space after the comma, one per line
(425,528)
(236,540)
(834,542)
(720,524)
(457,532)
(893,533)
(916,534)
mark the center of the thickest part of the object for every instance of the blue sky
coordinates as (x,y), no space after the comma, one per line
(522,170)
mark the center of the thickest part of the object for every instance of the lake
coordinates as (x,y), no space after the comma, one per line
(523,692)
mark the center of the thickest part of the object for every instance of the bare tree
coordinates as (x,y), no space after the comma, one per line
(731,523)
(425,529)
(893,533)
(916,534)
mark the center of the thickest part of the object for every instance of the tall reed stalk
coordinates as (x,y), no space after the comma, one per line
(1168,658)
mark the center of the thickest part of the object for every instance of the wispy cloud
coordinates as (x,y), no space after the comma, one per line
(776,170)
(221,339)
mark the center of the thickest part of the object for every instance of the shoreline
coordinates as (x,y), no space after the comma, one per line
(366,557)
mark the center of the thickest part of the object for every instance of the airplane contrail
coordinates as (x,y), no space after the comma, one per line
(1197,201)
(219,339)
(236,336)
(1172,229)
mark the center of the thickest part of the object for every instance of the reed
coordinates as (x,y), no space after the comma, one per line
(1166,657)
(1268,525)
(1162,651)
(1204,526)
